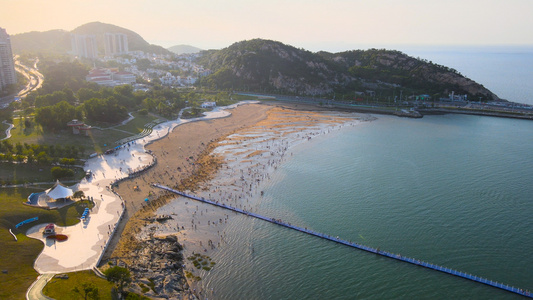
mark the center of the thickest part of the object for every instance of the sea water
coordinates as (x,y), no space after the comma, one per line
(505,70)
(452,190)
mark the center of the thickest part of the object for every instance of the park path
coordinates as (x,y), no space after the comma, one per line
(8,131)
(35,292)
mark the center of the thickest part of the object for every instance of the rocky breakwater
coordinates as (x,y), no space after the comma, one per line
(157,271)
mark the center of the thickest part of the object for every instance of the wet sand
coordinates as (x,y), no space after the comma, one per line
(179,156)
(247,157)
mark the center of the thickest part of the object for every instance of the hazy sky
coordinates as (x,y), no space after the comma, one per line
(333,25)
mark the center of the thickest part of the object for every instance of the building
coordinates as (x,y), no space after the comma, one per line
(124,78)
(79,127)
(115,43)
(84,46)
(208,104)
(110,77)
(101,76)
(7,67)
(461,98)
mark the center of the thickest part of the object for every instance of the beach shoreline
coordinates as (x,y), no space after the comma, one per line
(249,156)
(95,235)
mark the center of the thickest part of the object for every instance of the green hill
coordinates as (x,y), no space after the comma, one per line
(54,41)
(270,66)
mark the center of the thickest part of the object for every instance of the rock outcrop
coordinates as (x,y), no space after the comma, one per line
(157,271)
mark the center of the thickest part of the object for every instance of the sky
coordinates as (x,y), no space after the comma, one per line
(329,25)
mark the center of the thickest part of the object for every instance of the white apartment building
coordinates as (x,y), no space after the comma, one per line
(7,67)
(84,46)
(115,43)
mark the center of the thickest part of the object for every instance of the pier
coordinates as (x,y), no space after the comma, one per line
(376,251)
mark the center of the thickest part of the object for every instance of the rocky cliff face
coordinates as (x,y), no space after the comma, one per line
(269,66)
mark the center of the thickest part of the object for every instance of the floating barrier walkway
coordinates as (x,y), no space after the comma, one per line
(377,251)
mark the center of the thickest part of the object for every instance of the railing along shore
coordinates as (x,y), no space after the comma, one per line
(377,251)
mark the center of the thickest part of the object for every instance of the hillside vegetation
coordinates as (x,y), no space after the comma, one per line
(270,66)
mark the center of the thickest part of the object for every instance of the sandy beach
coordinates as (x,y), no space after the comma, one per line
(252,143)
(98,232)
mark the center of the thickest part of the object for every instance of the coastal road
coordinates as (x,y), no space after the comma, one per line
(35,79)
(35,292)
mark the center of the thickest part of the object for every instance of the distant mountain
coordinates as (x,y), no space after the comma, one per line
(135,41)
(58,41)
(184,49)
(55,41)
(270,66)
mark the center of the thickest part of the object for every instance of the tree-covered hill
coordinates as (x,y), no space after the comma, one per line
(270,66)
(52,41)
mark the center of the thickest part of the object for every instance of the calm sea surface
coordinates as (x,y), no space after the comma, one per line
(505,70)
(452,190)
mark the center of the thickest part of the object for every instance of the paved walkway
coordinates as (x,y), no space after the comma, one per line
(35,292)
(8,130)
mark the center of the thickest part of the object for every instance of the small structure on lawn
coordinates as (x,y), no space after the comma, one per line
(49,197)
(78,127)
(59,191)
(209,104)
(49,229)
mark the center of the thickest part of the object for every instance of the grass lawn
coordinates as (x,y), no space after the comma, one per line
(11,173)
(62,288)
(97,141)
(136,125)
(17,257)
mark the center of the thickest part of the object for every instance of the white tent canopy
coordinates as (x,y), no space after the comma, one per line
(59,191)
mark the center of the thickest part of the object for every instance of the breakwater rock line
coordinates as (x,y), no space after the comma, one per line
(377,251)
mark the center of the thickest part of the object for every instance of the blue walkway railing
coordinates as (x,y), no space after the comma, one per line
(399,257)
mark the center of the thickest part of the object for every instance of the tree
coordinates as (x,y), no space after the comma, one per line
(104,110)
(87,290)
(43,158)
(67,161)
(85,94)
(58,172)
(118,275)
(55,117)
(78,194)
(20,158)
(143,64)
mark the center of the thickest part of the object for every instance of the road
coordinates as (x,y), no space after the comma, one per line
(35,79)
(35,292)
